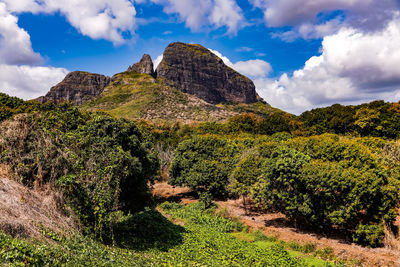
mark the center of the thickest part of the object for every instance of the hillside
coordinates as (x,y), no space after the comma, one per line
(132,95)
(191,84)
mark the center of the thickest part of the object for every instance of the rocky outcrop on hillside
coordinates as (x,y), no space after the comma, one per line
(78,87)
(194,69)
(144,66)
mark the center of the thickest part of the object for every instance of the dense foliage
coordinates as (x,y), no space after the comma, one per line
(10,106)
(204,164)
(281,162)
(100,164)
(323,182)
(378,119)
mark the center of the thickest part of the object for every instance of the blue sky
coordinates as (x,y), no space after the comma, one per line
(300,54)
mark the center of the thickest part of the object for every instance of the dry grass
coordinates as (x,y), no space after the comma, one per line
(25,212)
(164,190)
(391,241)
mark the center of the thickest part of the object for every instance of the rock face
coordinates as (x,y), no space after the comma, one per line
(195,70)
(144,66)
(78,87)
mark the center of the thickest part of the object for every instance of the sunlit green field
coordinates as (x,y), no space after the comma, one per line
(197,238)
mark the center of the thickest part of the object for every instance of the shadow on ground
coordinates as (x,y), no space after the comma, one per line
(146,230)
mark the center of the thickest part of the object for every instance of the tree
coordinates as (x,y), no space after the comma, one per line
(204,164)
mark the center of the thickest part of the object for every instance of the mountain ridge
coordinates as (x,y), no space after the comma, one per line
(190,84)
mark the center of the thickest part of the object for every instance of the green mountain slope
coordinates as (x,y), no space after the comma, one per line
(132,95)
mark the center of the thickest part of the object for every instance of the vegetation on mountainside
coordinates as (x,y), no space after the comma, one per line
(132,95)
(99,163)
(10,106)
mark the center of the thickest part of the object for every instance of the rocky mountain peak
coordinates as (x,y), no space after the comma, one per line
(78,87)
(144,66)
(194,69)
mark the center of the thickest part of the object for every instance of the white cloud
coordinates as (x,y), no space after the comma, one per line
(310,31)
(98,19)
(354,67)
(254,68)
(157,61)
(15,43)
(366,15)
(199,15)
(28,82)
(227,13)
(17,78)
(244,49)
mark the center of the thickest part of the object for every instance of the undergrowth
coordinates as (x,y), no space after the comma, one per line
(149,239)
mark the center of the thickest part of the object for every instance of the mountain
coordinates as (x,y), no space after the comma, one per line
(78,87)
(191,84)
(195,70)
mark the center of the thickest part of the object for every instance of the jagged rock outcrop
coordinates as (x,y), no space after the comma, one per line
(194,69)
(144,66)
(78,87)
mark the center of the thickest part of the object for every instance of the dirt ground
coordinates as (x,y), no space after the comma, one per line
(275,224)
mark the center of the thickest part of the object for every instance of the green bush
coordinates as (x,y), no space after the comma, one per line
(322,182)
(204,163)
(246,173)
(100,164)
(329,183)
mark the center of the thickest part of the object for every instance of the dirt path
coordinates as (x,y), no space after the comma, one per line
(275,224)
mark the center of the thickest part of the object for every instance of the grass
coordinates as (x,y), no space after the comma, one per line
(307,253)
(149,239)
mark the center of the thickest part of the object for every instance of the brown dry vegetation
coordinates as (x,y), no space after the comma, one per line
(26,212)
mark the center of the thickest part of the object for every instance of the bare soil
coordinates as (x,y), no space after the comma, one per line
(276,224)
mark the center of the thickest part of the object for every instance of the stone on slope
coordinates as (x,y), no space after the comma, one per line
(194,69)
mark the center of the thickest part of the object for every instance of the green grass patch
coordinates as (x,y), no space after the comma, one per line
(149,239)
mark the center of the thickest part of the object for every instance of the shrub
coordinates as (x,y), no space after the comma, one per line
(328,184)
(204,163)
(278,186)
(101,164)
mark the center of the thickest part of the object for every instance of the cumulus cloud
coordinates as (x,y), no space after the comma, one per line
(28,82)
(198,15)
(354,67)
(367,15)
(15,43)
(157,61)
(17,78)
(98,19)
(254,68)
(227,13)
